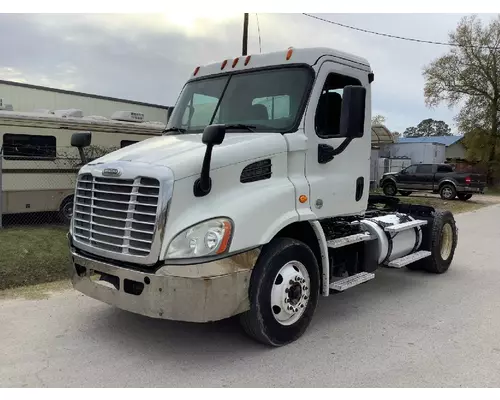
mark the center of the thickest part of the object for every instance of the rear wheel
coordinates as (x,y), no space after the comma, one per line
(447,191)
(390,189)
(441,240)
(404,192)
(66,210)
(464,196)
(283,293)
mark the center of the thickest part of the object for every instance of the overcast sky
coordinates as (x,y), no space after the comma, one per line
(149,57)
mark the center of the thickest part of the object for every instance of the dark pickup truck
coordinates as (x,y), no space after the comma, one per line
(438,178)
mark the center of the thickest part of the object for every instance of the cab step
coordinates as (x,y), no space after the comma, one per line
(410,258)
(351,281)
(405,226)
(347,240)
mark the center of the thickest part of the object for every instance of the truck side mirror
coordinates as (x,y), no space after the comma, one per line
(352,115)
(80,140)
(212,135)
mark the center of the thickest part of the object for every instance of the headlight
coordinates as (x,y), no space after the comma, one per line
(204,239)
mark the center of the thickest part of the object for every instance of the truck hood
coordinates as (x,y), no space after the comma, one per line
(184,153)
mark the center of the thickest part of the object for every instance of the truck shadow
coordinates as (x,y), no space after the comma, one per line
(223,341)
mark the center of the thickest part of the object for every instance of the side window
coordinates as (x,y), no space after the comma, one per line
(125,143)
(444,168)
(327,118)
(424,169)
(29,147)
(412,169)
(200,111)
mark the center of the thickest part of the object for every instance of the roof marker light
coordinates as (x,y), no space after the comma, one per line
(289,53)
(235,61)
(247,60)
(223,64)
(196,71)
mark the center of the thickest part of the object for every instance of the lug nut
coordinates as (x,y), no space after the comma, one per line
(286,300)
(291,282)
(305,297)
(305,287)
(286,290)
(297,278)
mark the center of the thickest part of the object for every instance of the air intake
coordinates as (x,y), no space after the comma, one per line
(256,171)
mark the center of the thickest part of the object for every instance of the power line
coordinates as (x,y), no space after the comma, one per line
(395,36)
(258,29)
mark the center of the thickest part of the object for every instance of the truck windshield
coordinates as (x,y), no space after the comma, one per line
(265,100)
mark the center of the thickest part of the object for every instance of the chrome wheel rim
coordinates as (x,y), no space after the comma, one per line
(446,241)
(290,293)
(68,210)
(447,193)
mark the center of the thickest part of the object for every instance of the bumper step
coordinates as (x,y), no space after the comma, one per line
(351,281)
(405,226)
(347,240)
(410,258)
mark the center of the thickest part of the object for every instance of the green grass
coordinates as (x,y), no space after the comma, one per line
(32,255)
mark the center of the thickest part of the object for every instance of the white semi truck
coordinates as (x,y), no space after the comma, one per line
(255,201)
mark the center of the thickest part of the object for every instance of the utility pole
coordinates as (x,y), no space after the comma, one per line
(245,34)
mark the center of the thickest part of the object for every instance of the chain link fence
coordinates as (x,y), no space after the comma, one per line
(39,190)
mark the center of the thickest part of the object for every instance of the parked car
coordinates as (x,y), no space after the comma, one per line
(438,178)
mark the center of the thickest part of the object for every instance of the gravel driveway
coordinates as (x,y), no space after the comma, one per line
(403,328)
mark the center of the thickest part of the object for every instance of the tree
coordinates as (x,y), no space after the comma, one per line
(469,76)
(428,127)
(379,120)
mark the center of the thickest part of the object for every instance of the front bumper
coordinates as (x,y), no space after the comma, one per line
(193,293)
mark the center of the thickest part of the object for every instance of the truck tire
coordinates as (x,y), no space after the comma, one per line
(464,196)
(389,188)
(441,240)
(447,191)
(404,192)
(66,210)
(283,293)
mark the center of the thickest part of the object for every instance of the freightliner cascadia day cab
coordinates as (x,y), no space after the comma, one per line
(254,202)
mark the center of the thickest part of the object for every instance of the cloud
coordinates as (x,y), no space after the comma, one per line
(148,57)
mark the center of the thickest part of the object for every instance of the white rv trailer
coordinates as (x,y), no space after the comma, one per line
(39,166)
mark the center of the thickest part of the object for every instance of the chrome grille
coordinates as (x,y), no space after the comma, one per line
(116,215)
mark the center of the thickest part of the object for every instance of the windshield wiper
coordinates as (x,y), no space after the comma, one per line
(174,129)
(250,128)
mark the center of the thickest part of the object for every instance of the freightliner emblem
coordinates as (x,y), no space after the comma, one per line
(111,172)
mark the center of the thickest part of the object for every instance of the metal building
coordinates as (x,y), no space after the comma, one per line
(26,97)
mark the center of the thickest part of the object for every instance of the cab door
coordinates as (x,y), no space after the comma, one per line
(338,185)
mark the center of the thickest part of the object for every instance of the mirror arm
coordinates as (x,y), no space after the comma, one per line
(342,146)
(82,155)
(203,184)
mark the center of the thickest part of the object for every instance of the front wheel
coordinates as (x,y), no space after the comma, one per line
(464,196)
(283,293)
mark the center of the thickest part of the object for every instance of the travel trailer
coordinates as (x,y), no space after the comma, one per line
(38,164)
